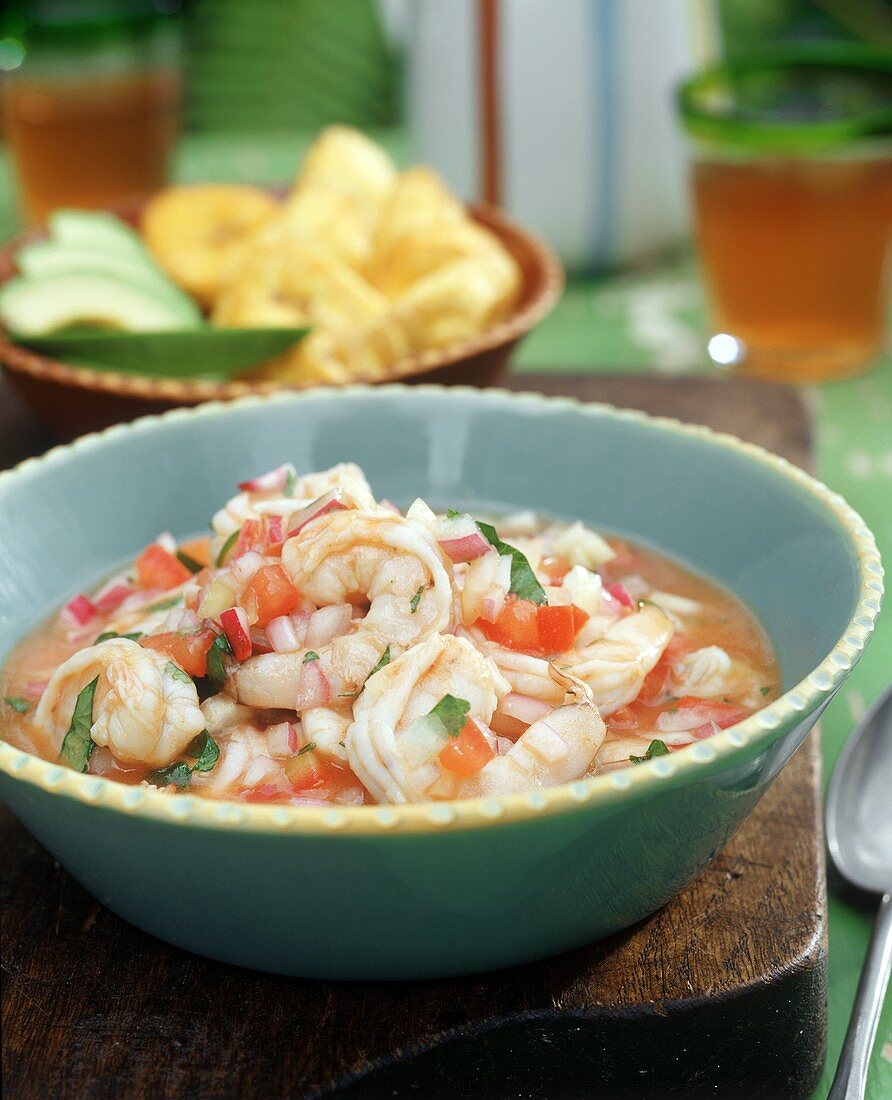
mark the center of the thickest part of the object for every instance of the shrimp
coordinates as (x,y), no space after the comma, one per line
(526,674)
(710,673)
(375,558)
(145,710)
(346,477)
(391,753)
(395,753)
(616,665)
(326,728)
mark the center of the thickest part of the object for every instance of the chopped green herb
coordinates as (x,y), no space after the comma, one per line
(180,774)
(177,673)
(348,694)
(216,670)
(523,580)
(290,483)
(384,660)
(17,703)
(77,743)
(107,635)
(452,514)
(416,599)
(655,748)
(341,743)
(205,748)
(227,546)
(672,699)
(452,714)
(310,656)
(306,749)
(190,563)
(765,690)
(163,605)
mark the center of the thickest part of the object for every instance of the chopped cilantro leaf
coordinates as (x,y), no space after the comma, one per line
(310,655)
(227,546)
(655,748)
(163,605)
(341,743)
(107,635)
(78,743)
(18,703)
(190,563)
(290,483)
(416,599)
(523,580)
(216,670)
(383,660)
(205,748)
(452,714)
(765,690)
(452,514)
(180,774)
(177,673)
(306,749)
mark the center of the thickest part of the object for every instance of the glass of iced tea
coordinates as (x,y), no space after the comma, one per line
(90,100)
(792,192)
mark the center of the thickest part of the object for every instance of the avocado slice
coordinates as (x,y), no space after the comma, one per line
(46,257)
(96,230)
(34,306)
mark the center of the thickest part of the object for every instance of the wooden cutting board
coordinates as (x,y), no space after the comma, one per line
(722,993)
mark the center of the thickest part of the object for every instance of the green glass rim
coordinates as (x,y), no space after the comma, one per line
(706,124)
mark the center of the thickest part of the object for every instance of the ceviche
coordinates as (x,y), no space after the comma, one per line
(322,647)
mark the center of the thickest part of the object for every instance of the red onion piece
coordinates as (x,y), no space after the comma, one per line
(524,708)
(329,502)
(244,568)
(112,596)
(78,612)
(283,634)
(272,479)
(259,640)
(621,594)
(281,739)
(235,626)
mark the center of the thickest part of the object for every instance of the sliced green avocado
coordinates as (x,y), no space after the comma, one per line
(96,230)
(37,306)
(41,258)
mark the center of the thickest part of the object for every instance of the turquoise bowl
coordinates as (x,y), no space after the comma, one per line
(399,892)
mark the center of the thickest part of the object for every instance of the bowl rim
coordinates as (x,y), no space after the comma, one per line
(756,731)
(23,361)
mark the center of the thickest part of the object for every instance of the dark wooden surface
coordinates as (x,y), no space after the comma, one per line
(722,993)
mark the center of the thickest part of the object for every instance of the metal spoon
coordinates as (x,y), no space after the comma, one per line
(859,836)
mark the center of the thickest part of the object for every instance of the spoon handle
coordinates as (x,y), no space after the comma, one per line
(851,1073)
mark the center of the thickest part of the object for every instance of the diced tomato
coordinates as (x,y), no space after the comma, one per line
(554,567)
(250,537)
(308,771)
(199,550)
(627,718)
(580,618)
(235,627)
(188,650)
(466,754)
(655,685)
(517,626)
(158,568)
(266,792)
(556,628)
(712,710)
(268,594)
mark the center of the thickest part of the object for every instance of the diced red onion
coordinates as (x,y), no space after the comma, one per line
(275,531)
(78,612)
(524,708)
(328,623)
(261,767)
(235,626)
(244,568)
(112,596)
(179,618)
(621,594)
(260,642)
(313,687)
(328,502)
(283,634)
(460,538)
(503,745)
(281,739)
(272,479)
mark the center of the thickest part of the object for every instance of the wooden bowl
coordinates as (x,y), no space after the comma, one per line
(72,400)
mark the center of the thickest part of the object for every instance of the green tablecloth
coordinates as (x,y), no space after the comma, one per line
(654,322)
